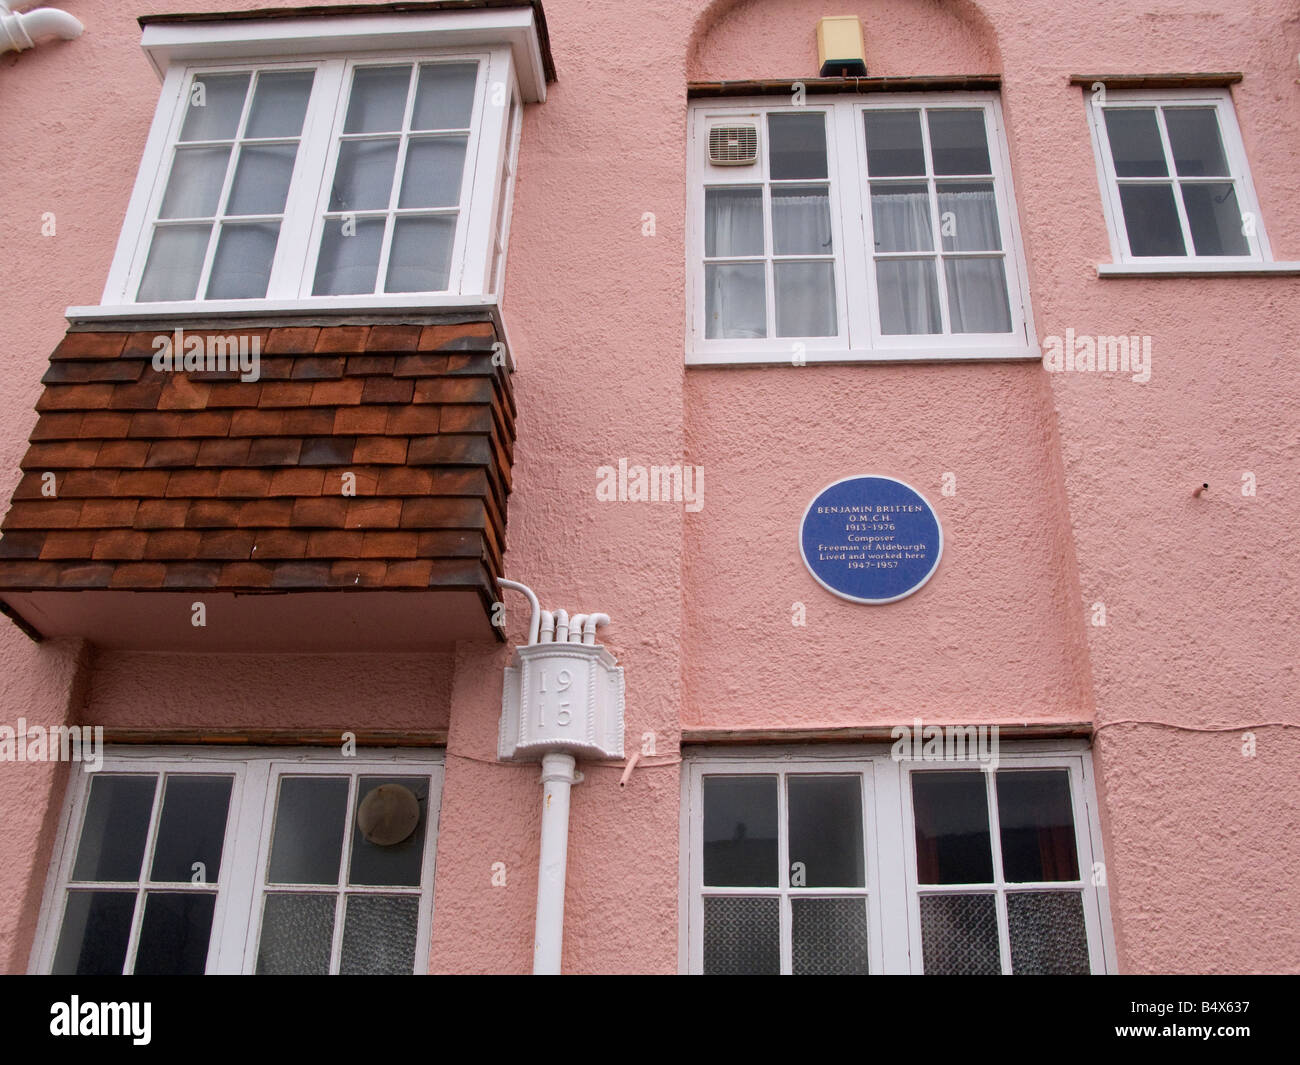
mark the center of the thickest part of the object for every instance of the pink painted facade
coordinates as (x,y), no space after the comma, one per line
(1070,489)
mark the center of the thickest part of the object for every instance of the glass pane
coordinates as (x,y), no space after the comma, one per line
(194,186)
(1151,220)
(192,829)
(113,833)
(826,830)
(420,258)
(174,264)
(1135,142)
(242,266)
(432,174)
(968,217)
(379,935)
(733,222)
(797,145)
(175,933)
(1215,219)
(262,179)
(1047,933)
(801,220)
(952,828)
(216,102)
(363,178)
(742,937)
(1036,826)
(95,933)
(957,142)
(805,300)
(1194,138)
(388,801)
(735,301)
(297,935)
(378,100)
(279,104)
(349,256)
(444,96)
(959,935)
(894,143)
(977,295)
(740,831)
(909,296)
(829,937)
(308,840)
(900,218)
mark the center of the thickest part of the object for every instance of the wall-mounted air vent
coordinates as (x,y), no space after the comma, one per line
(733,145)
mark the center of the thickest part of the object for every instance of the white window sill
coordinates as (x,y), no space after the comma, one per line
(1192,268)
(437,303)
(741,357)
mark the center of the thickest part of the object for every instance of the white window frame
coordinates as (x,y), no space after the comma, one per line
(893,915)
(860,339)
(236,921)
(1124,263)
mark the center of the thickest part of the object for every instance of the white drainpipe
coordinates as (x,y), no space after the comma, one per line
(18,32)
(558,778)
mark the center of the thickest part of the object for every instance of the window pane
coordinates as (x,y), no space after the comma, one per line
(262,179)
(431,177)
(1047,933)
(968,217)
(1194,138)
(735,301)
(215,104)
(894,143)
(1215,219)
(740,831)
(194,186)
(977,295)
(279,104)
(444,96)
(363,178)
(1151,220)
(733,222)
(957,142)
(1036,826)
(826,830)
(96,929)
(959,935)
(797,146)
(192,829)
(174,264)
(113,833)
(308,839)
(397,864)
(378,100)
(175,933)
(420,258)
(297,935)
(805,300)
(349,256)
(1135,142)
(829,937)
(908,290)
(801,220)
(242,266)
(952,828)
(379,935)
(742,937)
(900,218)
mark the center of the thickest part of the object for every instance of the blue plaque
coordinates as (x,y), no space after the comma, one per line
(870,539)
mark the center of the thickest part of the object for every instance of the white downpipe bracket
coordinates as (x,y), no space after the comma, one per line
(18,32)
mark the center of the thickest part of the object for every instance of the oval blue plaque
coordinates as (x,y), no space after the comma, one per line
(870,539)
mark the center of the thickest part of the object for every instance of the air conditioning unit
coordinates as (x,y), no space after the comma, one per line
(733,145)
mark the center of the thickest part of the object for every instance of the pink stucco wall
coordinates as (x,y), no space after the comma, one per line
(1071,489)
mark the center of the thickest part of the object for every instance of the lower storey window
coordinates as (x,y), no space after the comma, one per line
(173,863)
(852,865)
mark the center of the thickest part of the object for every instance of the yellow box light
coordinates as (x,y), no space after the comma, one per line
(839,47)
